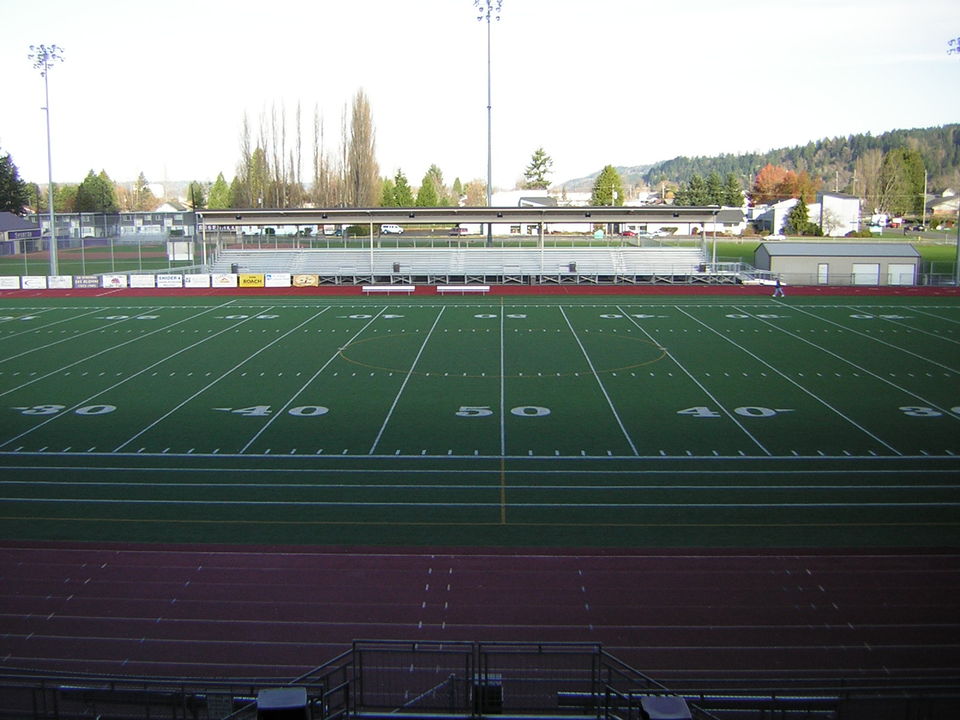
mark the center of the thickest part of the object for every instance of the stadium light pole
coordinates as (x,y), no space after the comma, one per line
(489,10)
(43,59)
(953,48)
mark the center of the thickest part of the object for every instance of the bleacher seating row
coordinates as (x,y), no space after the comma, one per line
(497,265)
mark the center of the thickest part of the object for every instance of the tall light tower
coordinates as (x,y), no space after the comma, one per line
(43,59)
(489,10)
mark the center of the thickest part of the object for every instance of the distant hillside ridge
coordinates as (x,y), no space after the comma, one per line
(831,160)
(630,175)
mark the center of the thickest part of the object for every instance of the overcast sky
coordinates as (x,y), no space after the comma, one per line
(162,87)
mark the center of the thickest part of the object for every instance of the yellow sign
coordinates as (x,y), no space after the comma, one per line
(251,280)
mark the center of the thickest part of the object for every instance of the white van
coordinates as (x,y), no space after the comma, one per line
(391,230)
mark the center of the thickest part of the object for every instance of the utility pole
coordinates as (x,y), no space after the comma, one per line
(43,59)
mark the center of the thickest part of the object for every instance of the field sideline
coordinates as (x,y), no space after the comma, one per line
(610,421)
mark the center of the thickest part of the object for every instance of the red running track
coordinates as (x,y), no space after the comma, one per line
(238,611)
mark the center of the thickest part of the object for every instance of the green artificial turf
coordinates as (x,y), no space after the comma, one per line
(609,421)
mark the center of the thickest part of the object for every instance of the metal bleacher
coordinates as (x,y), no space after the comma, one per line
(500,266)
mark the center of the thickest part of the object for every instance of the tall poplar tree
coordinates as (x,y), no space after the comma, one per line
(363,173)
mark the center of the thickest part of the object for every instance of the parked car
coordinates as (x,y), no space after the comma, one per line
(627,233)
(391,230)
(458,230)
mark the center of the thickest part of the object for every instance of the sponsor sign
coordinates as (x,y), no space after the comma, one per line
(306,280)
(251,280)
(223,280)
(23,234)
(200,280)
(60,282)
(86,281)
(114,281)
(276,280)
(142,281)
(169,281)
(33,282)
(9,282)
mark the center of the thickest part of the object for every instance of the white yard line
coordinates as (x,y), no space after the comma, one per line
(403,385)
(313,377)
(433,504)
(503,390)
(111,348)
(603,389)
(862,369)
(219,378)
(930,314)
(873,338)
(128,378)
(700,385)
(793,382)
(44,327)
(911,328)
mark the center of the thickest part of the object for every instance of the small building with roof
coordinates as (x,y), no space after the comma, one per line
(17,235)
(840,263)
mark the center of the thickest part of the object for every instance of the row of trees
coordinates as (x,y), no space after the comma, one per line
(892,182)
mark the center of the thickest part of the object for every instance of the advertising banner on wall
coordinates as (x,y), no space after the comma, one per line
(114,281)
(34,282)
(223,280)
(251,280)
(142,281)
(9,282)
(199,280)
(306,280)
(60,282)
(169,281)
(86,281)
(276,280)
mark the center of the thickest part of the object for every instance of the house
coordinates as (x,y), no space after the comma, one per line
(836,214)
(840,263)
(17,235)
(773,218)
(730,221)
(945,206)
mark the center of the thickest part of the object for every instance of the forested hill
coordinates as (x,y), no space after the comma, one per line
(833,160)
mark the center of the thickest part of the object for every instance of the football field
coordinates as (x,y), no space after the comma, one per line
(606,421)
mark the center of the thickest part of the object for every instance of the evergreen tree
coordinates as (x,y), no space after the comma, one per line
(219,198)
(798,220)
(387,196)
(456,191)
(96,194)
(732,191)
(14,194)
(535,176)
(402,194)
(714,189)
(693,194)
(439,187)
(143,197)
(607,188)
(196,197)
(902,180)
(427,194)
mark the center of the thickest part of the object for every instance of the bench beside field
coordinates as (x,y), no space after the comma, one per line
(441,289)
(462,289)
